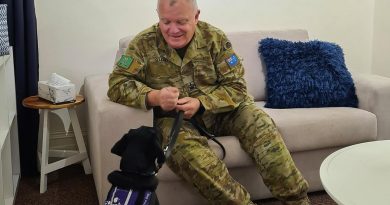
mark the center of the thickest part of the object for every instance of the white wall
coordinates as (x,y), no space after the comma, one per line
(381,43)
(79,37)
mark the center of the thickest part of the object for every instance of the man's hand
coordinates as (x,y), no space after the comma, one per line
(166,98)
(189,105)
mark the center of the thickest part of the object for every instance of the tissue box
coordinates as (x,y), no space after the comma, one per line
(57,93)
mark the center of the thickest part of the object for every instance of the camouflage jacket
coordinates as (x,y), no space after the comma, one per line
(209,71)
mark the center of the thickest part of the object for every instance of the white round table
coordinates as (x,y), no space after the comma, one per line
(358,174)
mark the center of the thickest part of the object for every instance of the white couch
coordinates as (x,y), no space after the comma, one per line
(311,134)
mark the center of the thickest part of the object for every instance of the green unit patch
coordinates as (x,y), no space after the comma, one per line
(125,61)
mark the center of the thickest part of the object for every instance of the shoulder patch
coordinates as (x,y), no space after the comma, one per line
(134,67)
(125,61)
(232,60)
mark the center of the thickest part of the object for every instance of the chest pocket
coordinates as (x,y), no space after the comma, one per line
(204,72)
(160,72)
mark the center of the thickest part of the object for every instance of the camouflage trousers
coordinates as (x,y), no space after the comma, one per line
(194,161)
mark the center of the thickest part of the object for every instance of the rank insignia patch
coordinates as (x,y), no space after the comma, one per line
(125,61)
(232,60)
(227,46)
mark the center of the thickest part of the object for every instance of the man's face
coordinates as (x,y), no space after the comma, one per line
(177,22)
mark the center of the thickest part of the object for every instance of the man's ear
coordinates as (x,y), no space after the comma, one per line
(120,146)
(197,16)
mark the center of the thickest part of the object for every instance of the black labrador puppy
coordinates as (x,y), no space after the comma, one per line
(142,156)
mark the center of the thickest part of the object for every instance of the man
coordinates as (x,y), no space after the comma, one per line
(185,64)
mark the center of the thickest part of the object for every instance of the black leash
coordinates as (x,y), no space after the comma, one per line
(157,112)
(174,133)
(209,135)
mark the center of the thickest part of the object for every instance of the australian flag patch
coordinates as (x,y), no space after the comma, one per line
(232,60)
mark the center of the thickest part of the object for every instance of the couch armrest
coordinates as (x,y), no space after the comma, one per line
(373,92)
(107,123)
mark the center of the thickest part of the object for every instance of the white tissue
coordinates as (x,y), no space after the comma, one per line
(57,80)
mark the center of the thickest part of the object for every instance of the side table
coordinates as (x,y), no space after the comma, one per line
(45,106)
(358,174)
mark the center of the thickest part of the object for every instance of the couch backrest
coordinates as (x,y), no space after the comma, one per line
(246,46)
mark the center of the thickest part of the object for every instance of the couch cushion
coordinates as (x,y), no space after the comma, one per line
(317,128)
(303,129)
(306,74)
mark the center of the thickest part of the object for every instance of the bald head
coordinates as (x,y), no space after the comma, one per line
(173,2)
(178,19)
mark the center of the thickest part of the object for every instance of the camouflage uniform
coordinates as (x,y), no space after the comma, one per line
(211,72)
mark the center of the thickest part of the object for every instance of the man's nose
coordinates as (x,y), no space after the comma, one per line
(174,28)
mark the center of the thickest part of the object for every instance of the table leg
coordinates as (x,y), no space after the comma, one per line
(40,137)
(79,139)
(45,150)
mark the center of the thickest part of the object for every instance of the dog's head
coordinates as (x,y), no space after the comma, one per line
(140,149)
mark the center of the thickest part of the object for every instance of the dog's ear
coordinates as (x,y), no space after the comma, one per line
(120,146)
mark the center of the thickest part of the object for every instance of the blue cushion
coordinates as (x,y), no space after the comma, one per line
(306,74)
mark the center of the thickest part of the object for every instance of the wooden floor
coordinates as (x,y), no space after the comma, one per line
(70,186)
